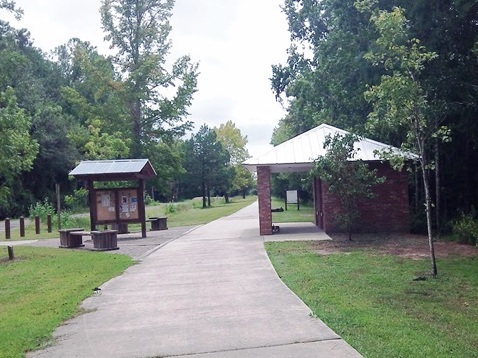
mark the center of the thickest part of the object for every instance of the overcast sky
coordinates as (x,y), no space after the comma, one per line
(234,41)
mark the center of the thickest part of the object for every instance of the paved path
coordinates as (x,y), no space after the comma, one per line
(210,293)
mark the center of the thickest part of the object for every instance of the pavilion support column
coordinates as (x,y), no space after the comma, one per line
(264,193)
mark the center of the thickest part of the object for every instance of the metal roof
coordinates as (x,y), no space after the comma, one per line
(298,154)
(115,169)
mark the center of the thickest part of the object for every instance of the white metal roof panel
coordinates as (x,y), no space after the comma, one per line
(299,153)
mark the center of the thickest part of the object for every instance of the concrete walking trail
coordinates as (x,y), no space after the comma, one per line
(210,293)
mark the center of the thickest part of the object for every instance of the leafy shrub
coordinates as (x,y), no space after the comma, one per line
(465,229)
(42,210)
(170,208)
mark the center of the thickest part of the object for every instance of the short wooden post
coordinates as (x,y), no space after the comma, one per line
(10,253)
(37,225)
(22,226)
(7,229)
(48,222)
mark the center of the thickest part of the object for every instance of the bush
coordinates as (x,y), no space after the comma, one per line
(42,210)
(170,208)
(465,229)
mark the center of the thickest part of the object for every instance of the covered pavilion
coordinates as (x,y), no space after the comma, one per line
(387,212)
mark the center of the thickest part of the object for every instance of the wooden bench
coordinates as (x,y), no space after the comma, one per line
(71,238)
(159,223)
(105,240)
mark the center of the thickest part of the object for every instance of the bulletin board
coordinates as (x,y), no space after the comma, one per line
(117,204)
(105,205)
(128,204)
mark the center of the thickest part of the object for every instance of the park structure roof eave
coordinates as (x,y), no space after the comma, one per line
(298,154)
(112,170)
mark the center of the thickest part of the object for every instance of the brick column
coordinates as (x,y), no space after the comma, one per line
(264,193)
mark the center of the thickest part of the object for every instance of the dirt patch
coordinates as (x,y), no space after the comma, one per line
(409,246)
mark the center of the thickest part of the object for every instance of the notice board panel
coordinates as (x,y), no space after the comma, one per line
(128,204)
(105,205)
(292,197)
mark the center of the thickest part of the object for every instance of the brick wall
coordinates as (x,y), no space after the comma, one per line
(387,212)
(264,193)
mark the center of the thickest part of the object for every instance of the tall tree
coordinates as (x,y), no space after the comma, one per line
(207,164)
(235,143)
(325,73)
(139,30)
(400,101)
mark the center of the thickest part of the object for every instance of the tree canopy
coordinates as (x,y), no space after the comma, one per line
(337,64)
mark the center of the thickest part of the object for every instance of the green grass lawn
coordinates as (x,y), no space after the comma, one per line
(190,212)
(304,214)
(373,302)
(43,287)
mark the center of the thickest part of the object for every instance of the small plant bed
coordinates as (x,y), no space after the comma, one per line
(377,292)
(43,287)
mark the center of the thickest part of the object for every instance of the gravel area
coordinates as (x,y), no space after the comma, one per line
(130,244)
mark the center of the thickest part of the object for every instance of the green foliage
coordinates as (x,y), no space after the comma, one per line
(465,228)
(170,208)
(235,144)
(399,101)
(11,6)
(350,179)
(233,141)
(78,200)
(372,302)
(167,159)
(42,210)
(138,31)
(17,149)
(207,166)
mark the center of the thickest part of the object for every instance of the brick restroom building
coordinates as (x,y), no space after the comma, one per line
(387,212)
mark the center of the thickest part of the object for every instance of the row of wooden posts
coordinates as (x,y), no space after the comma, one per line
(22,226)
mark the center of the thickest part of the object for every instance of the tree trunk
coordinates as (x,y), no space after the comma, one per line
(208,196)
(226,198)
(437,189)
(203,194)
(426,185)
(136,113)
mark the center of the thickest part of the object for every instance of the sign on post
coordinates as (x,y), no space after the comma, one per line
(292,197)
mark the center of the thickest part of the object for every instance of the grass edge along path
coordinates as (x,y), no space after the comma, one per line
(43,287)
(373,302)
(185,213)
